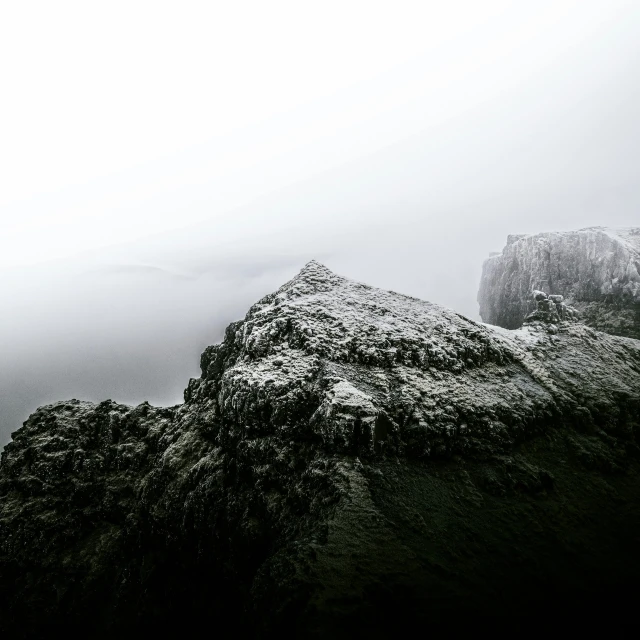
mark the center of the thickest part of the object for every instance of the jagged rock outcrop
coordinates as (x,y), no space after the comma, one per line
(551,310)
(352,462)
(597,270)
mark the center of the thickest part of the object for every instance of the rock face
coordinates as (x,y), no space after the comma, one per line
(597,270)
(352,462)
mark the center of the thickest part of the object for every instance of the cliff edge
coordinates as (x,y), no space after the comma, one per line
(597,270)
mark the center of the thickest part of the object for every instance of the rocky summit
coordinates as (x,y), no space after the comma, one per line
(597,270)
(352,462)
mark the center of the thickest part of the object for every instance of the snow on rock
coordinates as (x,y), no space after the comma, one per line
(341,449)
(551,309)
(596,269)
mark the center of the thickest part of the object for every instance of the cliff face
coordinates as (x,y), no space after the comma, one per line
(597,270)
(351,461)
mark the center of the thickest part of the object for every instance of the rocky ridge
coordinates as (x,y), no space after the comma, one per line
(596,269)
(351,461)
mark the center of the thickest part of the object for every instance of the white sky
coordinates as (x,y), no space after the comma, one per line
(184,159)
(120,119)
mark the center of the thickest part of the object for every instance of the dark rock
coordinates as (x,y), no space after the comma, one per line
(545,305)
(351,463)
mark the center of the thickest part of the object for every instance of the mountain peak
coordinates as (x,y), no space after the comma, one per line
(314,269)
(314,264)
(314,277)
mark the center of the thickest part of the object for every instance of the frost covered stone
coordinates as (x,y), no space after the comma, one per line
(347,453)
(596,269)
(551,309)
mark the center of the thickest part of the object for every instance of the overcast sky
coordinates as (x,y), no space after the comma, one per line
(163,165)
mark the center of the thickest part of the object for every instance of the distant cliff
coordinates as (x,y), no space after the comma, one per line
(597,270)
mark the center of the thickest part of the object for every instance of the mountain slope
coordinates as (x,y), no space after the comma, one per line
(351,461)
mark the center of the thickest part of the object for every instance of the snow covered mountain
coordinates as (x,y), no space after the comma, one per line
(350,461)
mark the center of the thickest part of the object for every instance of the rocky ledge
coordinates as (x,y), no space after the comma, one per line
(551,310)
(352,462)
(596,269)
